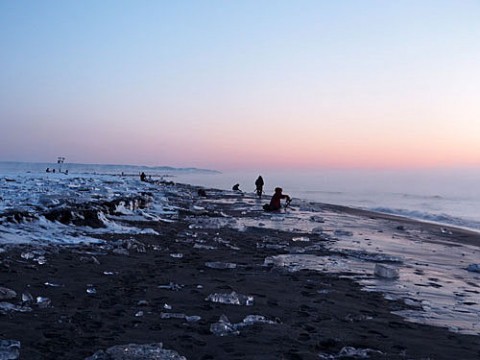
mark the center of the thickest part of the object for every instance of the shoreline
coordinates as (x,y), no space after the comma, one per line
(118,292)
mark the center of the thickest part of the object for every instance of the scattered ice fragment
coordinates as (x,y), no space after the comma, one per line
(6,307)
(171,286)
(446,231)
(52,284)
(91,290)
(27,298)
(351,352)
(474,268)
(27,255)
(172,316)
(231,299)
(167,307)
(177,255)
(255,319)
(153,351)
(6,293)
(109,273)
(142,303)
(386,272)
(205,247)
(43,302)
(301,238)
(139,314)
(193,318)
(220,265)
(223,327)
(41,260)
(9,349)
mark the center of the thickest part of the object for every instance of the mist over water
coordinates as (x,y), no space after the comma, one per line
(450,197)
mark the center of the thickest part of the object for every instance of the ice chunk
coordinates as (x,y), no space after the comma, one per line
(9,349)
(171,286)
(232,299)
(386,272)
(220,265)
(301,238)
(6,307)
(255,319)
(193,318)
(6,293)
(224,327)
(351,352)
(27,298)
(172,315)
(43,302)
(91,290)
(153,351)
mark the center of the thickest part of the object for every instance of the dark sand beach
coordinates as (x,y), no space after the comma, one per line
(117,293)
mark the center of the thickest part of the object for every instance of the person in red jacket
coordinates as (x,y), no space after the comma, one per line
(275,203)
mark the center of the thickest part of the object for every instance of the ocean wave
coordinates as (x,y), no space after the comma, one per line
(430,217)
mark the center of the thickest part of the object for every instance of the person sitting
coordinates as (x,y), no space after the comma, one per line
(236,187)
(143,177)
(259,186)
(275,203)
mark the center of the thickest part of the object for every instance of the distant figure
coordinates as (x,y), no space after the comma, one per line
(236,187)
(202,193)
(143,177)
(259,186)
(275,203)
(48,170)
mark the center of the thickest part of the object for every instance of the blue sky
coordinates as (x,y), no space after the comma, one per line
(222,83)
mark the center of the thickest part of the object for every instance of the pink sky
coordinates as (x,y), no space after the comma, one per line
(313,84)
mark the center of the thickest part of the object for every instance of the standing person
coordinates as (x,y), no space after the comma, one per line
(259,186)
(275,203)
(143,177)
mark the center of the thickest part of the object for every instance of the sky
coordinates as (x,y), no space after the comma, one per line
(232,85)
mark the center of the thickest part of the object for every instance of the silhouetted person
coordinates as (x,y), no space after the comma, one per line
(275,203)
(202,193)
(259,186)
(143,177)
(236,187)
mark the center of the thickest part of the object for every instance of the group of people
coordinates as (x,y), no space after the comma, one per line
(275,203)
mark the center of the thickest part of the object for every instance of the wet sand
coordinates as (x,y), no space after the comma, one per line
(117,293)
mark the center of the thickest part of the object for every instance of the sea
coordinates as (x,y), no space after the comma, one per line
(437,279)
(449,197)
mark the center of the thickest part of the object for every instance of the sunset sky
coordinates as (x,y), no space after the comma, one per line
(241,84)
